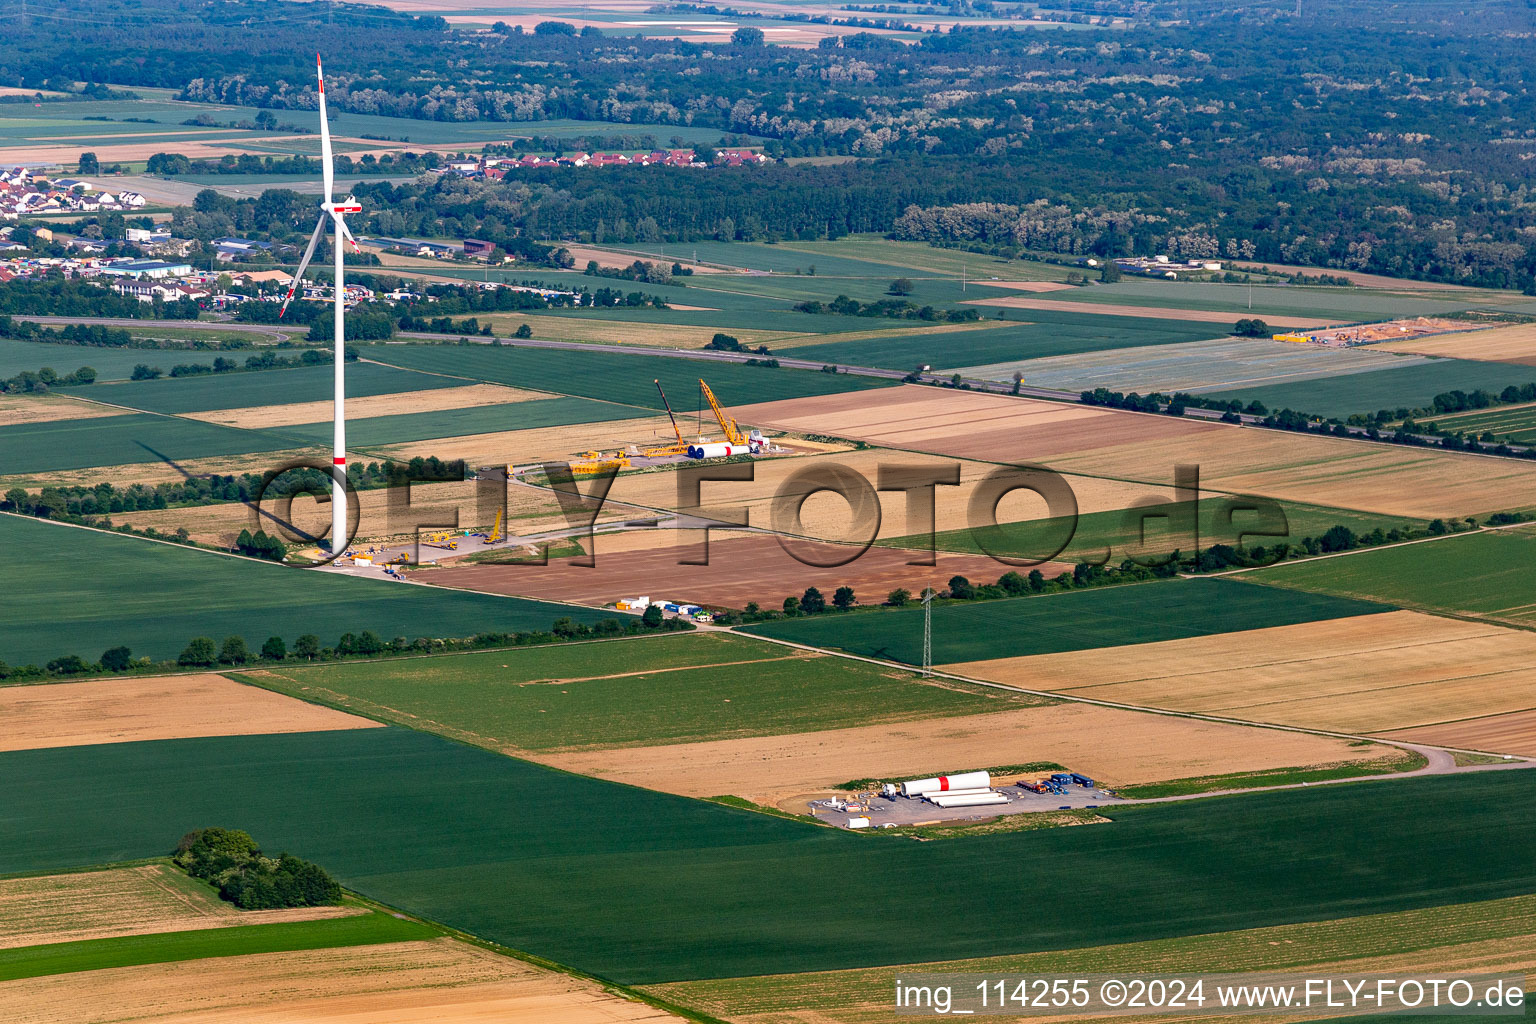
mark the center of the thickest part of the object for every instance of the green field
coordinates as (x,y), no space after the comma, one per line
(252,388)
(1048,333)
(1117,530)
(679,689)
(121,440)
(76,591)
(239,940)
(1514,423)
(1285,947)
(642,887)
(1483,574)
(1343,304)
(480,419)
(621,375)
(109,363)
(929,259)
(1412,383)
(1079,620)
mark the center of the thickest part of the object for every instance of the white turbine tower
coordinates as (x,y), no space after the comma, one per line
(330,208)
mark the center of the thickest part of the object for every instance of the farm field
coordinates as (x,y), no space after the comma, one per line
(1084,441)
(1097,305)
(1113,746)
(1412,384)
(1194,366)
(1502,931)
(403,403)
(1516,423)
(1507,343)
(837,260)
(140,900)
(244,389)
(741,570)
(125,438)
(109,363)
(537,444)
(234,940)
(626,693)
(1480,575)
(1099,531)
(60,602)
(529,510)
(1075,621)
(625,378)
(826,515)
(372,431)
(1514,732)
(138,708)
(1363,674)
(499,853)
(932,259)
(620,332)
(1338,303)
(16,410)
(421,981)
(1046,334)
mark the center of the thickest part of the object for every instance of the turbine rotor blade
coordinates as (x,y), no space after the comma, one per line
(347,232)
(325,133)
(298,275)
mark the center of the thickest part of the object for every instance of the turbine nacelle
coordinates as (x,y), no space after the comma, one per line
(347,205)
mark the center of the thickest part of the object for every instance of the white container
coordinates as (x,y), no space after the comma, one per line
(859,823)
(946,783)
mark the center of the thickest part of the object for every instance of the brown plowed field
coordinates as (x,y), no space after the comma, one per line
(827,516)
(141,900)
(1129,446)
(535,444)
(438,982)
(1119,747)
(750,568)
(1367,673)
(257,417)
(1204,316)
(1513,733)
(156,708)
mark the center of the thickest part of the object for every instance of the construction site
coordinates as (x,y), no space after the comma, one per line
(969,796)
(1373,334)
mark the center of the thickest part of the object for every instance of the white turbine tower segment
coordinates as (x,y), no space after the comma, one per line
(335,211)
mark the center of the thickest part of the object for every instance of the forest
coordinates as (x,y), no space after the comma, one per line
(1371,136)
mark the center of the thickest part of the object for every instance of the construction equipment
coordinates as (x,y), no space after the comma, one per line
(669,450)
(728,427)
(446,541)
(495,536)
(594,462)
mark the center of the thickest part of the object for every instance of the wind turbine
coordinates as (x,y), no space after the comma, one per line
(330,208)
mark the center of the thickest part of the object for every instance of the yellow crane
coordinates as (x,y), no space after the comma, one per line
(728,427)
(595,462)
(663,451)
(495,535)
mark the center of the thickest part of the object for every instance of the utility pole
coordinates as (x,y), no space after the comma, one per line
(928,596)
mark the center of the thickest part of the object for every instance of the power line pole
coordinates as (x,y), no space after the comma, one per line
(928,596)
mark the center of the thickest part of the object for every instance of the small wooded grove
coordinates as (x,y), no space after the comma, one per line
(231,862)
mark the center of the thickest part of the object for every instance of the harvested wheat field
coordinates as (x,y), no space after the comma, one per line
(827,515)
(442,981)
(258,417)
(1512,733)
(1368,673)
(535,444)
(621,260)
(1118,747)
(18,409)
(142,900)
(1512,343)
(741,569)
(620,332)
(156,708)
(529,510)
(966,424)
(1205,316)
